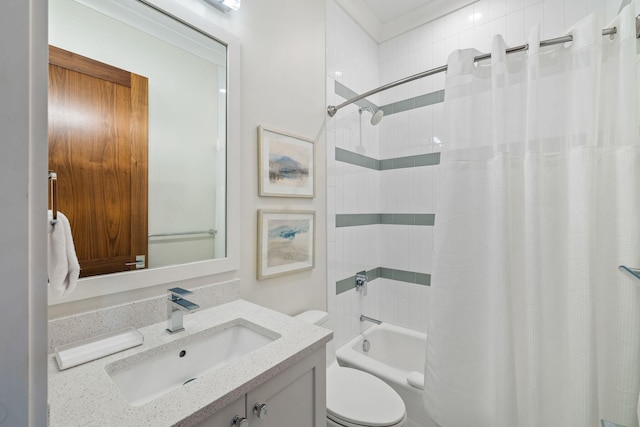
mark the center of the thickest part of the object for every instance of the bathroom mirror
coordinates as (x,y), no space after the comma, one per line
(167,187)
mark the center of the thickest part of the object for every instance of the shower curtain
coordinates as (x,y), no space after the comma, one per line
(531,323)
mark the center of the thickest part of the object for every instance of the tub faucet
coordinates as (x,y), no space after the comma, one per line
(370,319)
(176,305)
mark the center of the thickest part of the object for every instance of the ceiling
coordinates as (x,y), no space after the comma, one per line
(388,10)
(384,19)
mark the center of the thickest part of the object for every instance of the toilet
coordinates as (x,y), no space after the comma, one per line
(356,398)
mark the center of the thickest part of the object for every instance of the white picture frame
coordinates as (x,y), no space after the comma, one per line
(286,164)
(286,242)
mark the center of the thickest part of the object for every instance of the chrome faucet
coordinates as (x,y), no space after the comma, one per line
(176,305)
(361,282)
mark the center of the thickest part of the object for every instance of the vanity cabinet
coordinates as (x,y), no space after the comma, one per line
(223,417)
(294,397)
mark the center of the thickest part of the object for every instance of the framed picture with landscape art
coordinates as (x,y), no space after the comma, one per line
(286,242)
(286,164)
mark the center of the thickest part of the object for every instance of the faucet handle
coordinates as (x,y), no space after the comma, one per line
(361,281)
(179,292)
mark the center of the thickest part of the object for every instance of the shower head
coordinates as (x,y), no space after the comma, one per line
(376,115)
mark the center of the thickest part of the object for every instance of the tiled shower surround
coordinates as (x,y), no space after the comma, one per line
(390,170)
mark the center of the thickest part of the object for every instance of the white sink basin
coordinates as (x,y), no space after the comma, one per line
(149,375)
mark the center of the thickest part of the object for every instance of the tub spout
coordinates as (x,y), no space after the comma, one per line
(363,318)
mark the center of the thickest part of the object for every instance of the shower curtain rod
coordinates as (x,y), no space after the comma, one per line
(333,109)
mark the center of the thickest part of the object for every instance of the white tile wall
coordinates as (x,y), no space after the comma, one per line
(392,301)
(358,62)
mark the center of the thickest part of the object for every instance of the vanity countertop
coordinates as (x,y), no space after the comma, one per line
(86,396)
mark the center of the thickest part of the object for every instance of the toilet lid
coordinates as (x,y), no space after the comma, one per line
(362,399)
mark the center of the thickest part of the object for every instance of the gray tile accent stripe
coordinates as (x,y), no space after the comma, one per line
(419,160)
(343,221)
(408,219)
(395,107)
(347,156)
(350,282)
(411,103)
(427,159)
(423,279)
(354,220)
(345,284)
(425,219)
(346,93)
(363,219)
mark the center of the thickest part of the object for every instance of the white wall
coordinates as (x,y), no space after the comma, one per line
(23,163)
(283,87)
(408,133)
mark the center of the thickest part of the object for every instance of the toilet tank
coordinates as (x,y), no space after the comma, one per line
(317,317)
(320,318)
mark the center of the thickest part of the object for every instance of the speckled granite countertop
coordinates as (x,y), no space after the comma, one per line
(86,396)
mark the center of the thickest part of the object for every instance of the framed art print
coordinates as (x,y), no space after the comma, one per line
(286,241)
(286,164)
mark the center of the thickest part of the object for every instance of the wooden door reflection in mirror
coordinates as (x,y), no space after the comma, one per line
(98,139)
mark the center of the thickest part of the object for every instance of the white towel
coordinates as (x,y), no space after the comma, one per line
(63,266)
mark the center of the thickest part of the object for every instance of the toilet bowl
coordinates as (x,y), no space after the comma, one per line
(356,398)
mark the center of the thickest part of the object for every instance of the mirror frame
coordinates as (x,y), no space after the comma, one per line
(196,15)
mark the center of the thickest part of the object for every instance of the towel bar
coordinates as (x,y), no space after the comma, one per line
(210,232)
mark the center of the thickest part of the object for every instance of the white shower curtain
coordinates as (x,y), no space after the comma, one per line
(531,322)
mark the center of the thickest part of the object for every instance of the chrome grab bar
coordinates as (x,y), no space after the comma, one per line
(210,232)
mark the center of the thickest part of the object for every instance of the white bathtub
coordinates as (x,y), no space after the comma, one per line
(396,355)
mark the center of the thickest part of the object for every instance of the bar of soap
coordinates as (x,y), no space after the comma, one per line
(75,354)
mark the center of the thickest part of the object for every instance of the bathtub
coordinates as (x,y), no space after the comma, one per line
(396,355)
